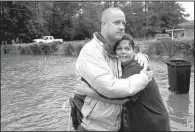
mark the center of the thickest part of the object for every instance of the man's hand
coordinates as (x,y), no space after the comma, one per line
(148,73)
(84,89)
(142,60)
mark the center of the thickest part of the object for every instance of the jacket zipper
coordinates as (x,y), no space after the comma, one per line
(117,69)
(92,110)
(117,118)
(120,109)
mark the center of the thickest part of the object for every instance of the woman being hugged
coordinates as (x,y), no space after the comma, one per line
(143,111)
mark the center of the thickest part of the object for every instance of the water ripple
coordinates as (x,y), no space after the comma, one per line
(33,89)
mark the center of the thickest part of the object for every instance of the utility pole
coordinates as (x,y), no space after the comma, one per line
(145,20)
(146,25)
(2,23)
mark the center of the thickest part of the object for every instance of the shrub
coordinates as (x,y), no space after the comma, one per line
(148,47)
(137,47)
(5,50)
(79,46)
(35,49)
(22,50)
(68,49)
(169,46)
(186,45)
(8,49)
(45,48)
(54,47)
(158,48)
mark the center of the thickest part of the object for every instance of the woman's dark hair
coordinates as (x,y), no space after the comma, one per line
(126,37)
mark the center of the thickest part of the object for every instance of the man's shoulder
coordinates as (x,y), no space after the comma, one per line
(90,44)
(92,47)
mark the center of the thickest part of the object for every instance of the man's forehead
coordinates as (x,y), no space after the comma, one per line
(111,13)
(116,17)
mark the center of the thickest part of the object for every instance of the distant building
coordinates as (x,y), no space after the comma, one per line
(188,28)
(175,33)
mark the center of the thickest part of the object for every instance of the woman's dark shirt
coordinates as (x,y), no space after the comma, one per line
(146,111)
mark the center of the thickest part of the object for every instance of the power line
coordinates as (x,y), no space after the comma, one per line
(33,10)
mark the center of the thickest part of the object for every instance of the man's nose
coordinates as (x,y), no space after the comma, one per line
(121,26)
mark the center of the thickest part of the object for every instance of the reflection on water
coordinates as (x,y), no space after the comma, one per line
(33,89)
(179,111)
(179,106)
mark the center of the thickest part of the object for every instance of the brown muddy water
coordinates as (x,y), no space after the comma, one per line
(33,89)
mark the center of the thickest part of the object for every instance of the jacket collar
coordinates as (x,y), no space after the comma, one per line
(108,49)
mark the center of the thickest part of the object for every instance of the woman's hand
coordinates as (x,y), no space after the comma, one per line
(142,59)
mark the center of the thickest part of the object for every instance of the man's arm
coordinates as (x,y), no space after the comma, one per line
(95,70)
(84,89)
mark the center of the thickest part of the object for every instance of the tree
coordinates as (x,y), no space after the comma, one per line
(164,15)
(79,20)
(19,16)
(134,17)
(89,18)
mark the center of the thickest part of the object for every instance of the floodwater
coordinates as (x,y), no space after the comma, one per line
(34,87)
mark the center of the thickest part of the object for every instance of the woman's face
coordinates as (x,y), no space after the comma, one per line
(124,51)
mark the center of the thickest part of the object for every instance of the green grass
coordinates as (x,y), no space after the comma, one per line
(152,47)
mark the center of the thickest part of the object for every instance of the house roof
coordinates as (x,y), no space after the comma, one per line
(187,24)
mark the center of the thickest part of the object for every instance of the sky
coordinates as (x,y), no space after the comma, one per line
(189,7)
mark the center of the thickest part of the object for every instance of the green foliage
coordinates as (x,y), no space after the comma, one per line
(24,50)
(73,47)
(135,18)
(33,48)
(78,20)
(6,49)
(186,45)
(158,48)
(45,48)
(68,49)
(78,45)
(54,47)
(169,47)
(163,15)
(149,48)
(17,20)
(89,19)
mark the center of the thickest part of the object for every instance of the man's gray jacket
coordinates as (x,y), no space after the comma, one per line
(102,71)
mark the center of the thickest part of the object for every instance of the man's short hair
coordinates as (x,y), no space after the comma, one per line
(106,11)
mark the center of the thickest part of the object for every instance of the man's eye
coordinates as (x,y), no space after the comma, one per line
(117,22)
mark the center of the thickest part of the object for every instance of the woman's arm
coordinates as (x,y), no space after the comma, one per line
(84,89)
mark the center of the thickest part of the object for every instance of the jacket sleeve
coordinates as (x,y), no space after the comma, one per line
(84,89)
(96,71)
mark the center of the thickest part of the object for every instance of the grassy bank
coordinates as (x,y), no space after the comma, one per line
(66,48)
(155,47)
(167,47)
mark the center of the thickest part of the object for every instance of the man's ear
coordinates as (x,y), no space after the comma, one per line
(103,23)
